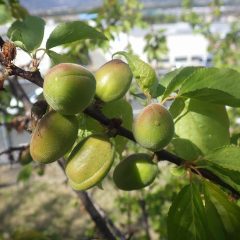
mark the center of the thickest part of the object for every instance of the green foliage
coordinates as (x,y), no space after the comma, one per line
(214,85)
(27,34)
(113,17)
(173,80)
(185,149)
(205,124)
(228,176)
(72,31)
(144,74)
(25,173)
(223,215)
(11,9)
(57,58)
(177,107)
(208,216)
(156,46)
(17,11)
(226,157)
(187,218)
(5,15)
(224,162)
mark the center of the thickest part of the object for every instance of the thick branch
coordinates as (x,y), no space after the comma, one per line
(35,77)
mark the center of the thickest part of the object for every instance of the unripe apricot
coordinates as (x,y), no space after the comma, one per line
(25,157)
(89,162)
(153,128)
(113,80)
(69,88)
(53,136)
(120,109)
(135,172)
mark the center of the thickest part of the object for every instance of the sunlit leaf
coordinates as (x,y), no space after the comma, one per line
(72,31)
(27,34)
(144,74)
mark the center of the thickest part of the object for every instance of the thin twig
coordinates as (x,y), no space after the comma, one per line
(142,204)
(13,149)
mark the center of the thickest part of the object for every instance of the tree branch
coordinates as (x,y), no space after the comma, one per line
(142,205)
(12,149)
(36,78)
(1,42)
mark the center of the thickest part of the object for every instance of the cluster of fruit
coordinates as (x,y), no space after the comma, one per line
(69,89)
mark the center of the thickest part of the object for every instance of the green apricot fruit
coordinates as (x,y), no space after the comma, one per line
(53,136)
(205,124)
(120,109)
(135,172)
(153,128)
(113,80)
(25,157)
(89,162)
(69,88)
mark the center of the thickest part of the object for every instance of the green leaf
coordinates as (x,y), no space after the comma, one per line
(177,107)
(72,31)
(144,74)
(187,219)
(214,221)
(168,77)
(159,91)
(27,34)
(206,125)
(175,79)
(230,177)
(25,173)
(138,95)
(185,149)
(214,85)
(226,157)
(57,58)
(228,212)
(5,15)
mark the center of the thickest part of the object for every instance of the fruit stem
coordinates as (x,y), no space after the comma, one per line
(168,99)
